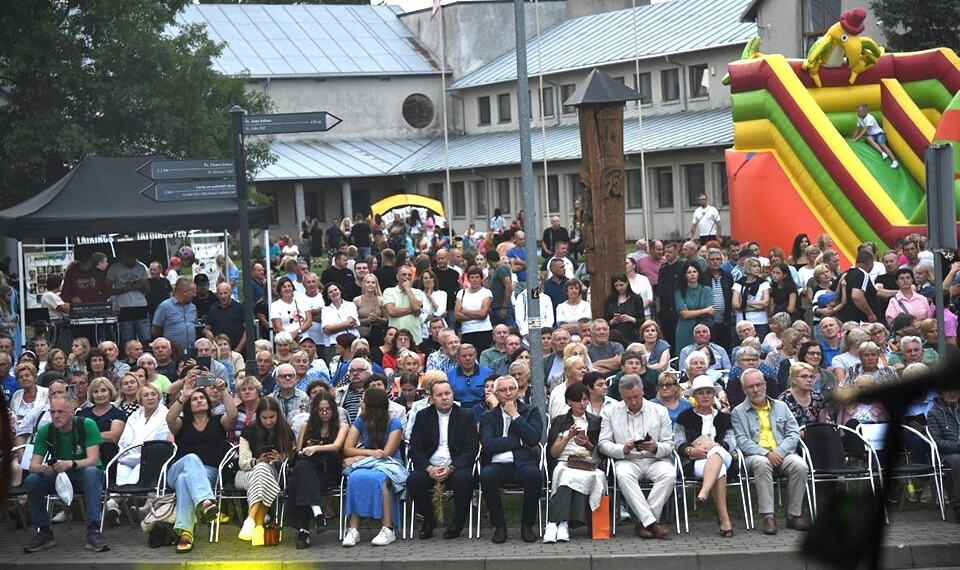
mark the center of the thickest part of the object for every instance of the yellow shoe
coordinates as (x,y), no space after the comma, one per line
(246,532)
(257,539)
(224,518)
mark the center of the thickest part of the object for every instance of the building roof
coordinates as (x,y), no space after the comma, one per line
(668,28)
(305,160)
(306,40)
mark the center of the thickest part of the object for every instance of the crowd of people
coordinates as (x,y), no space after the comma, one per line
(706,349)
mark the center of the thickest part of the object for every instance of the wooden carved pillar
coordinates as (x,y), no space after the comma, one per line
(602,178)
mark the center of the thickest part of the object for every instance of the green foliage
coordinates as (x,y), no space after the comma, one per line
(108,78)
(909,25)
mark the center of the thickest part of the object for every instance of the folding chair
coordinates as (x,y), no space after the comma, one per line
(778,481)
(155,459)
(692,483)
(909,467)
(511,489)
(830,462)
(15,493)
(226,489)
(613,487)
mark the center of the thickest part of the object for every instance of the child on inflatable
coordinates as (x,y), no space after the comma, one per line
(867,126)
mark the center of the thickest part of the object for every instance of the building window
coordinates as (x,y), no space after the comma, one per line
(547,104)
(818,15)
(459,200)
(694,177)
(502,186)
(670,84)
(553,192)
(720,186)
(633,180)
(644,87)
(435,191)
(503,107)
(483,110)
(565,92)
(479,197)
(663,181)
(699,80)
(418,110)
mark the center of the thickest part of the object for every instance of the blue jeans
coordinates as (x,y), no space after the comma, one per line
(39,485)
(193,481)
(363,253)
(130,330)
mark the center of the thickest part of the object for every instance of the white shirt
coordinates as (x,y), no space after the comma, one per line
(474,302)
(290,315)
(520,312)
(120,274)
(330,315)
(567,313)
(706,218)
(441,456)
(505,456)
(308,303)
(870,122)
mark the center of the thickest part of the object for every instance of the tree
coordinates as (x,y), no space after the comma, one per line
(109,78)
(909,25)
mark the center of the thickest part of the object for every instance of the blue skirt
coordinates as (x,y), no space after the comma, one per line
(365,496)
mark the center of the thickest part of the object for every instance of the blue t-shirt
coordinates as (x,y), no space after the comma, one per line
(10,385)
(675,413)
(177,322)
(393,425)
(521,254)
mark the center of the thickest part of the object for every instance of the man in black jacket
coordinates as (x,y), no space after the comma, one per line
(510,437)
(719,281)
(443,445)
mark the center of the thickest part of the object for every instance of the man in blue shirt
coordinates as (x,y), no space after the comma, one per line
(517,257)
(10,384)
(553,286)
(176,318)
(467,377)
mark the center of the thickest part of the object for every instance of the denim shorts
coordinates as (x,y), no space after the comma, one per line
(880,138)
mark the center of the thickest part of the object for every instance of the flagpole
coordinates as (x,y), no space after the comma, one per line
(447,189)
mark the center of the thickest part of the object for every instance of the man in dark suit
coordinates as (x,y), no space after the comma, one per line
(509,436)
(443,445)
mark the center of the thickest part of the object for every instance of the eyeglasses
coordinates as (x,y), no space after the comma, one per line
(356,370)
(286,375)
(814,354)
(805,376)
(670,385)
(507,390)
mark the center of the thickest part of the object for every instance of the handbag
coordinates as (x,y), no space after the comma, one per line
(159,509)
(271,535)
(600,520)
(581,463)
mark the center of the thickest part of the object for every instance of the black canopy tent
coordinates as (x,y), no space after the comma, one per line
(103,195)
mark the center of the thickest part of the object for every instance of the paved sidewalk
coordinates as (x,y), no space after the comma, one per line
(916,539)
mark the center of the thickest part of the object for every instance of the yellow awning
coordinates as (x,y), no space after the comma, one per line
(401,200)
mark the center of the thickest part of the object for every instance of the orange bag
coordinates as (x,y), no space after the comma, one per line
(600,523)
(271,535)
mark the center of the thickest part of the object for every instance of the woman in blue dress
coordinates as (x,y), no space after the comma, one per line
(375,472)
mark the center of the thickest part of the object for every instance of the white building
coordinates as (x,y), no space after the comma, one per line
(380,71)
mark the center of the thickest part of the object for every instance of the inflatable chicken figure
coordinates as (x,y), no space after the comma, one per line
(843,42)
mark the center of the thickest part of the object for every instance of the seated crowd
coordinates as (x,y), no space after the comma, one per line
(432,372)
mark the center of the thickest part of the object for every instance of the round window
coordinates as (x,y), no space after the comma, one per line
(418,110)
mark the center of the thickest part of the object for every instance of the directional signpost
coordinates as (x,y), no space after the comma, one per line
(244,124)
(289,123)
(192,179)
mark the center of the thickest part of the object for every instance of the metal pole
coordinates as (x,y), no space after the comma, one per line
(240,161)
(529,220)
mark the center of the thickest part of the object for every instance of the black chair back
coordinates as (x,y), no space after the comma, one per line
(825,443)
(153,455)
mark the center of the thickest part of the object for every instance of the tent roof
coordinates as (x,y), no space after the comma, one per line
(103,195)
(401,200)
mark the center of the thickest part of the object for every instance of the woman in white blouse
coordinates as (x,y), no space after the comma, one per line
(434,300)
(574,308)
(338,316)
(148,423)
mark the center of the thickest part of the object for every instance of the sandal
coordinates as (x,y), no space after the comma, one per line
(185,544)
(208,511)
(726,533)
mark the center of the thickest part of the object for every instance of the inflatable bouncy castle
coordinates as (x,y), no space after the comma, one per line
(793,168)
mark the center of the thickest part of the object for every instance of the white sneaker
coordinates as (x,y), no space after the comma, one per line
(550,533)
(883,155)
(59,517)
(563,532)
(894,164)
(113,512)
(624,513)
(351,537)
(246,532)
(385,537)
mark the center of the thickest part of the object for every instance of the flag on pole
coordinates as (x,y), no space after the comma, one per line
(436,9)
